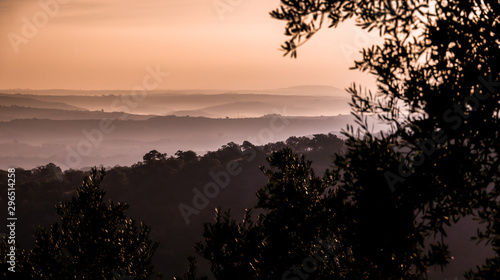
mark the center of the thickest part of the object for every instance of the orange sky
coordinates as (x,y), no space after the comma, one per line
(107,44)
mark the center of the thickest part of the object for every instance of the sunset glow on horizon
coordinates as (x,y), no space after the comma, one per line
(202,44)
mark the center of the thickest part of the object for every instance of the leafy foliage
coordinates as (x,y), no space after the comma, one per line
(286,231)
(155,188)
(370,232)
(437,75)
(92,240)
(393,194)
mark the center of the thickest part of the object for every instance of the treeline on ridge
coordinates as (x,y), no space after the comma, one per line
(155,186)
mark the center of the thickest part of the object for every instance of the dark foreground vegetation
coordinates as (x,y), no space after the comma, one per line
(384,209)
(154,188)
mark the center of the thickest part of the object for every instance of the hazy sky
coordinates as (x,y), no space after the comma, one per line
(107,44)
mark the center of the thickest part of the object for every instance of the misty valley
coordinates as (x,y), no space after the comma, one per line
(173,170)
(80,131)
(250,140)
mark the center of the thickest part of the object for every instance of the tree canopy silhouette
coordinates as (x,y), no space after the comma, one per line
(437,74)
(391,195)
(94,240)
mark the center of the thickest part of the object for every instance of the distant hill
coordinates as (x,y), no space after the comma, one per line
(193,113)
(214,105)
(286,105)
(31,142)
(306,90)
(33,102)
(299,101)
(8,113)
(244,108)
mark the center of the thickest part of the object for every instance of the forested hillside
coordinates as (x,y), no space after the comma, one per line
(156,186)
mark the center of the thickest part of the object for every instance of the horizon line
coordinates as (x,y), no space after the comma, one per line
(174,89)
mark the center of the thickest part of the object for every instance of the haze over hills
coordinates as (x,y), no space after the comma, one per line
(32,101)
(65,127)
(80,143)
(309,90)
(13,112)
(294,101)
(155,188)
(79,129)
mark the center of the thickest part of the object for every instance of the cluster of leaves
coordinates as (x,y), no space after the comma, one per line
(319,143)
(436,75)
(437,88)
(294,217)
(372,230)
